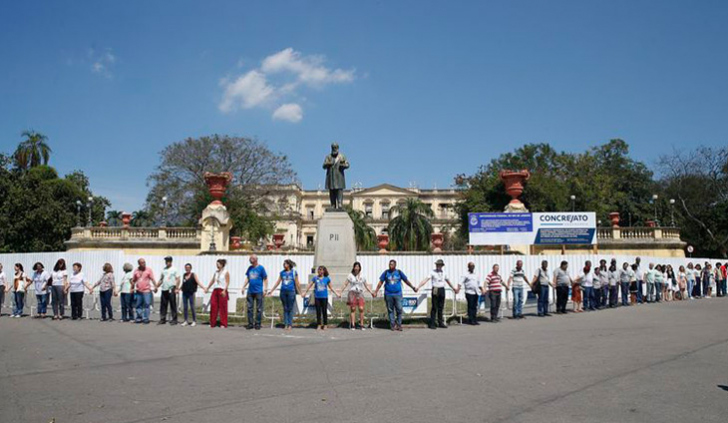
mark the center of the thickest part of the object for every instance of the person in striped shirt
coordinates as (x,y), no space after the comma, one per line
(493,287)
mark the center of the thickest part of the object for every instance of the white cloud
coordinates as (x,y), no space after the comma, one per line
(102,62)
(280,77)
(290,112)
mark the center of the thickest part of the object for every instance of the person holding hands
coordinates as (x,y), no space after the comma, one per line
(437,279)
(321,284)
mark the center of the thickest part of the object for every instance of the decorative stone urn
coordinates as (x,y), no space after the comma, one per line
(437,241)
(513,181)
(278,240)
(383,242)
(651,223)
(614,217)
(217,184)
(103,224)
(126,219)
(235,242)
(471,249)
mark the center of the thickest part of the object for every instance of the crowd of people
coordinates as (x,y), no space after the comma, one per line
(591,288)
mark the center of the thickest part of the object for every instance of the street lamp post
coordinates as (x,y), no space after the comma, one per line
(90,204)
(573,203)
(164,211)
(78,213)
(672,212)
(654,200)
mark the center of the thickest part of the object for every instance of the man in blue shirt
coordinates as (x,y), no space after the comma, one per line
(392,279)
(257,278)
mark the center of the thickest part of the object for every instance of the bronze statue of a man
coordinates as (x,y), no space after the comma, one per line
(335,163)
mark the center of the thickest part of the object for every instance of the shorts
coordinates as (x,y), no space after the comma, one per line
(355,299)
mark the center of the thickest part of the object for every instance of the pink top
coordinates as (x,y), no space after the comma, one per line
(142,279)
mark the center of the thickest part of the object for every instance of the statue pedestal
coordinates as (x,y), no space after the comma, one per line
(216,226)
(335,245)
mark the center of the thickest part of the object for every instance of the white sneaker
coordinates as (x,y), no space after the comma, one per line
(193,324)
(363,328)
(352,327)
(184,324)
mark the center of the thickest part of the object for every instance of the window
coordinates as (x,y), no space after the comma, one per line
(368,209)
(309,240)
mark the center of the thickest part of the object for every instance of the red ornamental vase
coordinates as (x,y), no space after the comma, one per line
(126,218)
(651,224)
(235,242)
(614,217)
(278,240)
(514,180)
(437,241)
(382,242)
(217,184)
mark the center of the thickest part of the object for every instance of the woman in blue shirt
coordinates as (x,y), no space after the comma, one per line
(288,280)
(321,284)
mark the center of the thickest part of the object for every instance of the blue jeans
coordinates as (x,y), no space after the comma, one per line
(394,309)
(256,299)
(19,303)
(691,283)
(127,307)
(288,299)
(106,308)
(658,291)
(588,298)
(639,292)
(143,302)
(517,302)
(625,293)
(42,303)
(543,300)
(188,301)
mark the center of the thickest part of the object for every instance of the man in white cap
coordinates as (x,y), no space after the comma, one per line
(169,281)
(437,279)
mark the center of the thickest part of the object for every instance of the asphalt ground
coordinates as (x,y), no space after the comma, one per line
(659,363)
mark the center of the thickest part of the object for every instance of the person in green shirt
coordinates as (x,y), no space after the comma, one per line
(169,282)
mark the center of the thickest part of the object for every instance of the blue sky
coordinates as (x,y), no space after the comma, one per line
(412,90)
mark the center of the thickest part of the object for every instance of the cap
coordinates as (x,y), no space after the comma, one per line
(440,262)
(168,258)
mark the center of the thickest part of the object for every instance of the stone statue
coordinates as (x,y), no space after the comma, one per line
(335,163)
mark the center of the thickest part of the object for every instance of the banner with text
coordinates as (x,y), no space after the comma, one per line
(532,228)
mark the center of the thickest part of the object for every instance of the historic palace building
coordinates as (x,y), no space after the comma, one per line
(297,211)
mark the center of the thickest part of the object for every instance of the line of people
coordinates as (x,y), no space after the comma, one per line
(591,288)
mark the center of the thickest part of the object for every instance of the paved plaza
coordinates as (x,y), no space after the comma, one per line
(649,363)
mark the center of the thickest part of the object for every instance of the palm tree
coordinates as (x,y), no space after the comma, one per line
(410,230)
(33,151)
(364,234)
(113,218)
(141,218)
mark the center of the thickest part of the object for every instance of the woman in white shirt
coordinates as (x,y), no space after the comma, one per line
(59,284)
(355,298)
(77,284)
(20,285)
(219,299)
(41,280)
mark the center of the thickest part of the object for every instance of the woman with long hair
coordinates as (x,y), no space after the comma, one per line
(322,285)
(59,282)
(219,300)
(355,298)
(290,285)
(190,282)
(682,282)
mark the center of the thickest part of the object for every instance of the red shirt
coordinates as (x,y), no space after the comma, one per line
(494,281)
(143,279)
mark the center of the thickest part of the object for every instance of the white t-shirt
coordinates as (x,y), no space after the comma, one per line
(437,279)
(21,281)
(39,281)
(3,279)
(219,279)
(58,277)
(519,278)
(587,279)
(471,283)
(77,282)
(356,282)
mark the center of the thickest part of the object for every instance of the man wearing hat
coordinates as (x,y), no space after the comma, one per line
(438,279)
(169,281)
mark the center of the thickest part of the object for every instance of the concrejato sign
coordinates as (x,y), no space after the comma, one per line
(532,228)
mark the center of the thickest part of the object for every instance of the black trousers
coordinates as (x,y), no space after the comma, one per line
(562,297)
(169,299)
(438,307)
(472,307)
(495,301)
(76,305)
(322,312)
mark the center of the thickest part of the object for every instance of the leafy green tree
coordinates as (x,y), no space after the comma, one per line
(180,177)
(364,234)
(141,218)
(33,151)
(603,179)
(410,229)
(113,218)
